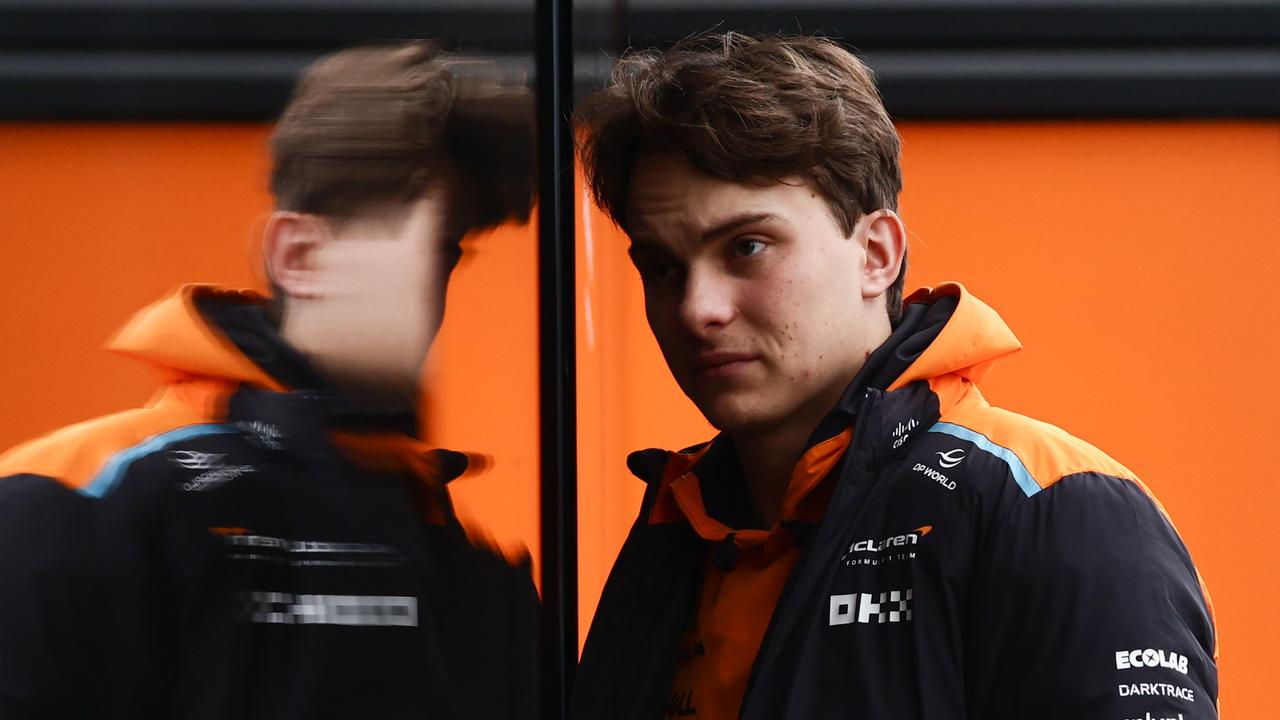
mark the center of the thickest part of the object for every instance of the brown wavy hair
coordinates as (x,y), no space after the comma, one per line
(366,128)
(749,109)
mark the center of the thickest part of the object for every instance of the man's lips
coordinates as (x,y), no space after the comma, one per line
(718,363)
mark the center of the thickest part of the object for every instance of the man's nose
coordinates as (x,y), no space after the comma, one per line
(707,304)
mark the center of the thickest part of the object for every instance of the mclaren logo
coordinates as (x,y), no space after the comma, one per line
(874,546)
(885,550)
(951,458)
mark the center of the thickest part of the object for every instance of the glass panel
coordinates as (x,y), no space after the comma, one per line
(137,156)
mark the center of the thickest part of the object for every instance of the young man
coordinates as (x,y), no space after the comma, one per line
(268,538)
(866,537)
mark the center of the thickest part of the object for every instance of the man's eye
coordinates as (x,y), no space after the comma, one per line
(654,270)
(746,247)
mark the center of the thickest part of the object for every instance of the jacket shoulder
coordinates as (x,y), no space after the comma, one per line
(1038,454)
(78,454)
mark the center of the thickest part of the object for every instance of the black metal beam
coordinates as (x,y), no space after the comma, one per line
(492,24)
(557,340)
(916,84)
(501,25)
(149,86)
(1079,84)
(886,24)
(953,59)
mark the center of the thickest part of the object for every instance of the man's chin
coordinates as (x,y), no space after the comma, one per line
(733,416)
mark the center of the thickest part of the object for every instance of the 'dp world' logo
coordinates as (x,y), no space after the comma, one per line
(951,458)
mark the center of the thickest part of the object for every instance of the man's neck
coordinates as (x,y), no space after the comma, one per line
(363,390)
(768,460)
(768,456)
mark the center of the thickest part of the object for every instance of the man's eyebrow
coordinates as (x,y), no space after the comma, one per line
(641,245)
(646,248)
(736,223)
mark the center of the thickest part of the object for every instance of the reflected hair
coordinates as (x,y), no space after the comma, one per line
(367,128)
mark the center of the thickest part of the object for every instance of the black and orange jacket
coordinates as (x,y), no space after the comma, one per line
(248,546)
(970,563)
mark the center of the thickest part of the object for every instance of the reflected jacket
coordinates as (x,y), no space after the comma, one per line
(248,546)
(971,563)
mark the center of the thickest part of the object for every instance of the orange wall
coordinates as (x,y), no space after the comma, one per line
(1129,257)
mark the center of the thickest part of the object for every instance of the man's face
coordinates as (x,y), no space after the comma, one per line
(387,275)
(753,292)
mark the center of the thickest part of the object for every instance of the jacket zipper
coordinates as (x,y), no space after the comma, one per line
(783,606)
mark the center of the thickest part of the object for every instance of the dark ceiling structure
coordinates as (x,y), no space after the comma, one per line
(936,59)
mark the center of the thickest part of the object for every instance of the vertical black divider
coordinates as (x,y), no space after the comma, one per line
(557,358)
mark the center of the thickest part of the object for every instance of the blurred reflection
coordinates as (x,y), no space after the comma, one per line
(269,537)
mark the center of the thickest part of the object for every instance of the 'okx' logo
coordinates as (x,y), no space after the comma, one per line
(890,606)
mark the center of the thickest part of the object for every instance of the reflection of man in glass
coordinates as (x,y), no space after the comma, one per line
(268,538)
(866,537)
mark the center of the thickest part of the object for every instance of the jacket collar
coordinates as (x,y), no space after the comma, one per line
(970,343)
(208,338)
(173,337)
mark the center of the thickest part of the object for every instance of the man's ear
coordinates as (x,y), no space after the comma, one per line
(886,245)
(289,246)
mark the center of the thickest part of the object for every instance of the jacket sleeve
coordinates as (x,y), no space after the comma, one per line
(1086,604)
(52,616)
